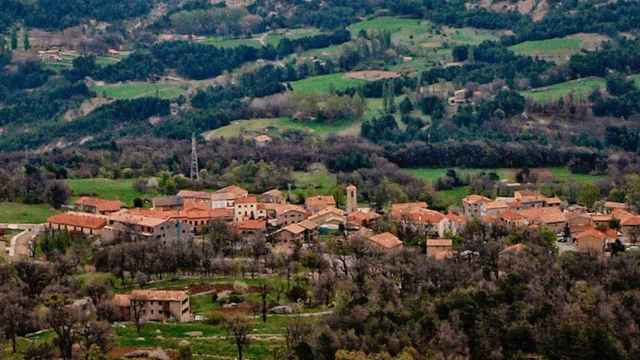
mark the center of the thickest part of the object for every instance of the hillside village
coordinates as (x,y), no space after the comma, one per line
(286,227)
(319,180)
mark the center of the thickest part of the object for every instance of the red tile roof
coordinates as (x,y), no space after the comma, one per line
(386,240)
(439,242)
(320,201)
(79,220)
(252,225)
(247,200)
(159,295)
(101,205)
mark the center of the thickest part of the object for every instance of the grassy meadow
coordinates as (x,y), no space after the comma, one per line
(580,88)
(19,213)
(323,84)
(134,90)
(559,49)
(454,196)
(118,189)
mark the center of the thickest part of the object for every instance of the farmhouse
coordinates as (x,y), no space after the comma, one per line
(274,196)
(316,203)
(97,206)
(439,248)
(284,214)
(473,205)
(167,202)
(385,241)
(591,241)
(77,222)
(154,305)
(252,230)
(129,225)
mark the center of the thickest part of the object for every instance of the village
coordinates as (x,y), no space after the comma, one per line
(286,228)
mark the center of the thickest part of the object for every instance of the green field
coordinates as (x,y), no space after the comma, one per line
(24,213)
(559,49)
(450,197)
(325,83)
(228,42)
(314,182)
(134,90)
(275,126)
(580,88)
(274,37)
(120,189)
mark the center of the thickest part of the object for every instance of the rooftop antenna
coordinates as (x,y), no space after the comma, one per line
(195,174)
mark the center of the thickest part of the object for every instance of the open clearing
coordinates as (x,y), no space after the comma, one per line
(559,49)
(17,213)
(446,198)
(579,88)
(372,75)
(275,126)
(325,83)
(113,189)
(132,90)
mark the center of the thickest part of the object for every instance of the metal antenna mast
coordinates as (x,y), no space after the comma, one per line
(195,174)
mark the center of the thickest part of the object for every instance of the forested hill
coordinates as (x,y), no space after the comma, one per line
(407,75)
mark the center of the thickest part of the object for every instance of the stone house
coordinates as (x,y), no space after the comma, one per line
(155,305)
(439,248)
(96,205)
(385,241)
(77,222)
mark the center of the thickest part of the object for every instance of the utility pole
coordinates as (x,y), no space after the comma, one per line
(195,173)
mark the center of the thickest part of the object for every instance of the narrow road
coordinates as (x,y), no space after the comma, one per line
(20,244)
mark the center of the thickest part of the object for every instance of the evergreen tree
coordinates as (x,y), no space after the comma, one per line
(25,39)
(14,39)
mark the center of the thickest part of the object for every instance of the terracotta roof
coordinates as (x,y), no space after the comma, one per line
(284,208)
(80,220)
(203,195)
(247,200)
(591,233)
(615,205)
(273,192)
(233,189)
(601,218)
(320,201)
(386,240)
(493,205)
(633,220)
(425,216)
(621,214)
(307,224)
(121,300)
(439,242)
(456,218)
(129,217)
(159,295)
(361,216)
(101,205)
(400,207)
(475,199)
(262,138)
(553,200)
(294,229)
(167,201)
(252,225)
(510,215)
(551,215)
